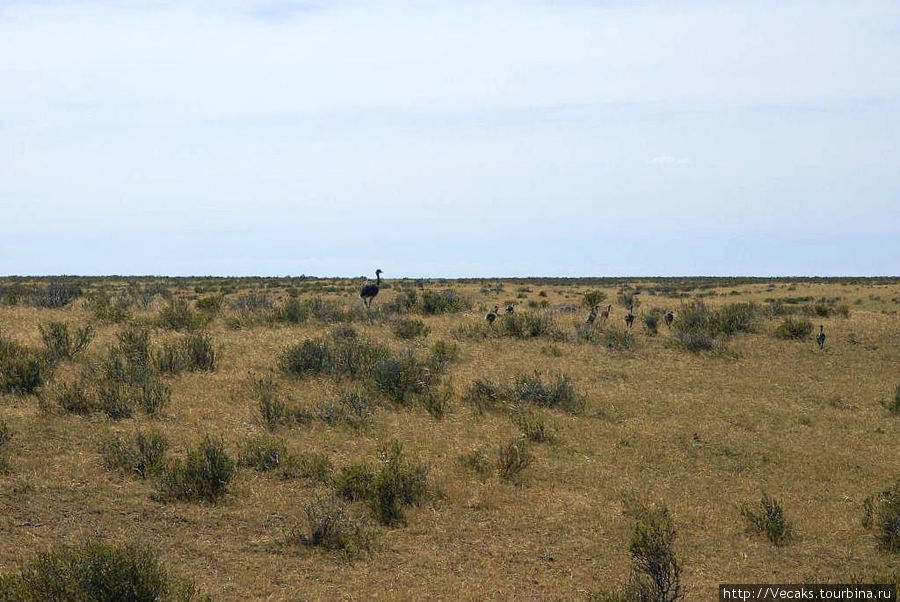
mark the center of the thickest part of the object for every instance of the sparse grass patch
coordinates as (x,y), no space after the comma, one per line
(477,461)
(768,519)
(96,571)
(353,409)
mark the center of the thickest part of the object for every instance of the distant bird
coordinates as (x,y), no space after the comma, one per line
(820,338)
(593,315)
(669,317)
(510,308)
(604,315)
(492,315)
(370,290)
(629,317)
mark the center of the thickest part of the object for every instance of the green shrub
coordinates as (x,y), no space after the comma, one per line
(353,482)
(96,571)
(109,309)
(513,457)
(441,302)
(590,298)
(178,315)
(144,456)
(651,321)
(313,466)
(210,306)
(529,324)
(398,483)
(533,426)
(55,294)
(5,437)
(203,475)
(768,519)
(399,378)
(441,355)
(477,461)
(352,409)
(882,515)
(559,393)
(329,525)
(251,302)
(291,311)
(655,567)
(794,328)
(733,318)
(437,403)
(618,339)
(63,345)
(893,403)
(22,371)
(410,328)
(483,394)
(263,454)
(695,341)
(193,352)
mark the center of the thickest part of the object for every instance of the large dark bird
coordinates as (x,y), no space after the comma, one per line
(820,338)
(370,290)
(510,308)
(593,315)
(629,317)
(492,315)
(669,318)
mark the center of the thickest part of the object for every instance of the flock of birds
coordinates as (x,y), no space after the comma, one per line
(370,290)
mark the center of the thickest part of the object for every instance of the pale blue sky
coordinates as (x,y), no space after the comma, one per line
(531,137)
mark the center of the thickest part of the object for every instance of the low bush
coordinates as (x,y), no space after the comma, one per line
(477,461)
(893,403)
(203,475)
(559,393)
(441,302)
(399,483)
(5,437)
(513,457)
(881,514)
(533,426)
(330,525)
(794,328)
(178,315)
(484,395)
(55,294)
(401,378)
(768,519)
(618,339)
(143,456)
(352,408)
(591,298)
(193,352)
(441,355)
(410,328)
(96,571)
(291,311)
(263,454)
(530,324)
(22,370)
(62,344)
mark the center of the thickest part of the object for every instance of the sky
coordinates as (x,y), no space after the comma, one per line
(450,139)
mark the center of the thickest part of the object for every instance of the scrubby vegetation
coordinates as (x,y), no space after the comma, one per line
(768,519)
(204,475)
(96,571)
(881,514)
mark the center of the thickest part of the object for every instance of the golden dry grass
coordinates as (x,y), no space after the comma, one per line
(701,433)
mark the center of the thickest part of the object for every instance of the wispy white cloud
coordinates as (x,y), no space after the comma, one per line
(668,160)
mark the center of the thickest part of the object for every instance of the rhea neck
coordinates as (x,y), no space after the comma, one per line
(378,278)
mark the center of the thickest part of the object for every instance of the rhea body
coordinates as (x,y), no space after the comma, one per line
(669,317)
(820,338)
(492,315)
(593,315)
(604,315)
(629,317)
(370,290)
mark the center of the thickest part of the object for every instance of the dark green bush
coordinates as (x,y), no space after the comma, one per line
(55,294)
(63,345)
(353,482)
(144,456)
(96,571)
(768,519)
(398,483)
(558,393)
(400,378)
(733,318)
(794,328)
(203,475)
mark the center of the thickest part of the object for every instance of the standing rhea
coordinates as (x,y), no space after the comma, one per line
(820,338)
(604,315)
(629,317)
(492,315)
(370,290)
(593,315)
(669,318)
